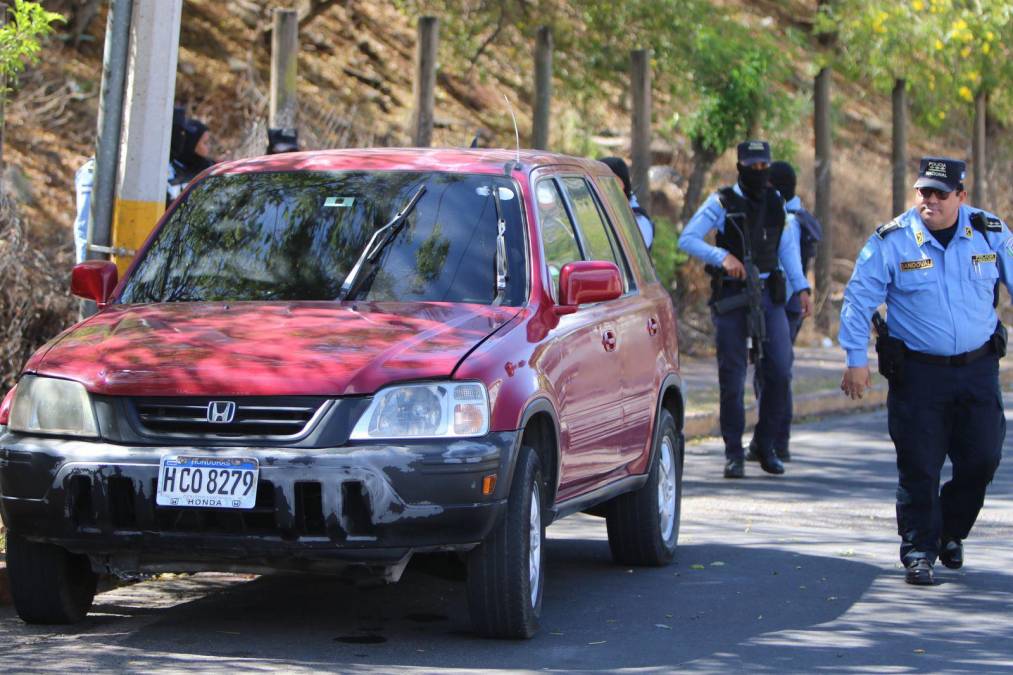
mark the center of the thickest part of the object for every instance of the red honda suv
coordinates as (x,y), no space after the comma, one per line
(329,361)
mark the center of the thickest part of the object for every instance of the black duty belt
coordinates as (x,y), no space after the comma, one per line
(955,360)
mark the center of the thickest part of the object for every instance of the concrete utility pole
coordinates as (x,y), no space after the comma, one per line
(425,81)
(110,126)
(543,88)
(284,59)
(640,77)
(147,124)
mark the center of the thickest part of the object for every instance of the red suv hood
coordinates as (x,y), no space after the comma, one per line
(252,349)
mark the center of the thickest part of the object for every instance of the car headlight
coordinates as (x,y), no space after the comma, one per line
(444,409)
(50,406)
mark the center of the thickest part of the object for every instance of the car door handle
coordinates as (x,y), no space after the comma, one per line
(652,326)
(608,340)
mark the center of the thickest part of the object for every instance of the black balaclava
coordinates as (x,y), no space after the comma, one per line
(619,168)
(782,179)
(752,181)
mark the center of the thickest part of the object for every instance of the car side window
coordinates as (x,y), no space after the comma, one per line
(625,223)
(599,241)
(558,238)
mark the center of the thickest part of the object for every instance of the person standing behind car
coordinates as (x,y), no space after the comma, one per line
(807,229)
(936,267)
(193,155)
(644,222)
(749,217)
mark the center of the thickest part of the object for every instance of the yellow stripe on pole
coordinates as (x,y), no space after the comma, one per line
(132,223)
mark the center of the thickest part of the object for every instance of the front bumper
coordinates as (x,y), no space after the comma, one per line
(317,510)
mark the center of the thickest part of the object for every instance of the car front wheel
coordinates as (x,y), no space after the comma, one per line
(49,584)
(506,571)
(643,526)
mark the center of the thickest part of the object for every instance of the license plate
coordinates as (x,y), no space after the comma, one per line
(209,482)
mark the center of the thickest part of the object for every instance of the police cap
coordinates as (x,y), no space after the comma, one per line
(754,152)
(941,173)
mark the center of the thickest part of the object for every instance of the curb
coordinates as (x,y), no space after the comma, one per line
(818,404)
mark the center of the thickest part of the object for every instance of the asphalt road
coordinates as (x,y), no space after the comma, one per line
(790,574)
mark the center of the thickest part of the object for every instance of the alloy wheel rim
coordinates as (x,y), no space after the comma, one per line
(666,489)
(535,545)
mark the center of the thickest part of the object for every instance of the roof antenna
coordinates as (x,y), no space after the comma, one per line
(517,134)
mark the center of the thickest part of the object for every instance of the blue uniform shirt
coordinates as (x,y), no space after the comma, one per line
(711,216)
(938,301)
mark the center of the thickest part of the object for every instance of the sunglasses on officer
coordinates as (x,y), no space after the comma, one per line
(927,192)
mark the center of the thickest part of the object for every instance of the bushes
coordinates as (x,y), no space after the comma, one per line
(35,303)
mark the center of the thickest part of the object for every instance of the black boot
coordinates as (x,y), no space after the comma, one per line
(735,468)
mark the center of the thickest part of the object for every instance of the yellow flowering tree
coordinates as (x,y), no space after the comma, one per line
(891,43)
(972,51)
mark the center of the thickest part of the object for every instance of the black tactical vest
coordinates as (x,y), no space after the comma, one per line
(762,222)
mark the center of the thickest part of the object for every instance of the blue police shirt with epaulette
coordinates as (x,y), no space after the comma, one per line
(711,216)
(938,301)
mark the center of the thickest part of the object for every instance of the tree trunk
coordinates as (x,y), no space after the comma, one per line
(979,186)
(543,89)
(640,125)
(703,160)
(899,157)
(824,254)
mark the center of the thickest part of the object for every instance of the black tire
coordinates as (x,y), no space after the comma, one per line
(501,600)
(643,526)
(49,584)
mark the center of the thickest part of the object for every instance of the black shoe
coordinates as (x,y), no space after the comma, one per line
(783,455)
(919,572)
(771,464)
(751,454)
(735,468)
(951,554)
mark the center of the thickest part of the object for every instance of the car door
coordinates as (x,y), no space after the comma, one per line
(640,329)
(580,359)
(628,320)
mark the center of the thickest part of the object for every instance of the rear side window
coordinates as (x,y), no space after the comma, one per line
(558,238)
(599,240)
(628,226)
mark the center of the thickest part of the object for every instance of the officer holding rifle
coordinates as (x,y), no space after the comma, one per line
(937,268)
(753,252)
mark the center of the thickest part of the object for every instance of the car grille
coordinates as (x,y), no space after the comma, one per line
(250,418)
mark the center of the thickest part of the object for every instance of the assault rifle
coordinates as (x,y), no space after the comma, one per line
(752,297)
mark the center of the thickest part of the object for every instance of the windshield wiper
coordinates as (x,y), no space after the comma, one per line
(501,258)
(380,239)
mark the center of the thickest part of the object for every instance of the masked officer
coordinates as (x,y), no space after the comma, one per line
(749,218)
(937,267)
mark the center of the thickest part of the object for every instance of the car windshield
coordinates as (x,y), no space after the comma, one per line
(296,236)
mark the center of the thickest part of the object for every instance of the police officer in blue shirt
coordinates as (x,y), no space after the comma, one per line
(937,268)
(749,217)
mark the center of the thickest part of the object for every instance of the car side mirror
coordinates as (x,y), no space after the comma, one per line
(587,281)
(94,280)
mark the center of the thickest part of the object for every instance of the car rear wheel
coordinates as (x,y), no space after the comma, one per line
(49,584)
(643,526)
(506,571)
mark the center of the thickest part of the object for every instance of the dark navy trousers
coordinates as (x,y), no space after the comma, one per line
(937,412)
(773,378)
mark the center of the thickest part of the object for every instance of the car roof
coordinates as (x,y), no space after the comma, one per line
(458,160)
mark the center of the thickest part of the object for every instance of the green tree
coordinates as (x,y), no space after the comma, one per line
(23,28)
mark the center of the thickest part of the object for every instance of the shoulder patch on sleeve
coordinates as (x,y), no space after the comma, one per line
(1009,247)
(887,228)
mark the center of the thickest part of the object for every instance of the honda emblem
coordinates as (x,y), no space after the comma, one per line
(221,412)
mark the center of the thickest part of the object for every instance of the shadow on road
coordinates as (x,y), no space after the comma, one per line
(596,616)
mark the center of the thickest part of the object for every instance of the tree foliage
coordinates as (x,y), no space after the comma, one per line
(20,38)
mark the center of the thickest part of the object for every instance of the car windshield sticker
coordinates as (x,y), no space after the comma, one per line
(339,202)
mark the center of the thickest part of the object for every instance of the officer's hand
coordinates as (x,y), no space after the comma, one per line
(856,380)
(807,303)
(733,267)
